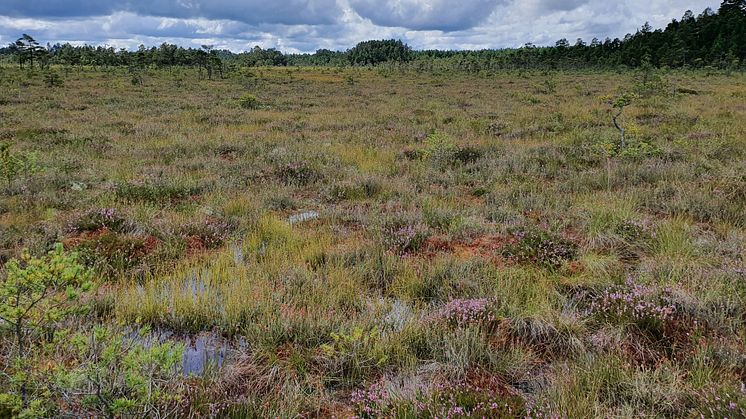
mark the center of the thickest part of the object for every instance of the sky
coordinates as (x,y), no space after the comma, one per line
(308,25)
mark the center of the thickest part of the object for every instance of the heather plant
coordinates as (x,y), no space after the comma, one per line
(722,403)
(649,308)
(402,238)
(440,217)
(281,202)
(296,173)
(359,189)
(463,312)
(442,151)
(96,219)
(474,397)
(540,247)
(633,231)
(113,254)
(209,233)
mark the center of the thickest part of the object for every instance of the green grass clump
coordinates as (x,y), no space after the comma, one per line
(249,101)
(155,193)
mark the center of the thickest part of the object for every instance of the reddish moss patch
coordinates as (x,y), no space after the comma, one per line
(487,247)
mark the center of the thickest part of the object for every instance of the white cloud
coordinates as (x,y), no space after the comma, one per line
(306,25)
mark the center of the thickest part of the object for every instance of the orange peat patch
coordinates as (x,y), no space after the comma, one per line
(484,247)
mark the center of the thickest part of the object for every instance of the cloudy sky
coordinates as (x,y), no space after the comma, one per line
(306,25)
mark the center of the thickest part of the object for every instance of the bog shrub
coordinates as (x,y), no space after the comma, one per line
(14,166)
(532,245)
(120,375)
(249,101)
(296,173)
(96,219)
(155,193)
(36,295)
(401,235)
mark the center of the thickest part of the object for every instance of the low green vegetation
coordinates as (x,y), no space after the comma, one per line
(323,242)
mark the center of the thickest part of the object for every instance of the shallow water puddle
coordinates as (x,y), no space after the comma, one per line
(202,353)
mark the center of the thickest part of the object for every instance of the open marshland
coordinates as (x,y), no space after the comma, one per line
(375,243)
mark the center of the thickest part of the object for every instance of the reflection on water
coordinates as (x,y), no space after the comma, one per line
(203,353)
(238,255)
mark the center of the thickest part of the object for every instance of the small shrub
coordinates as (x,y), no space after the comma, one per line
(650,82)
(14,166)
(280,203)
(136,79)
(362,189)
(441,218)
(400,237)
(464,312)
(296,173)
(120,375)
(716,404)
(633,232)
(412,154)
(111,253)
(496,128)
(53,79)
(639,150)
(541,247)
(633,303)
(104,218)
(37,294)
(668,324)
(353,356)
(467,155)
(476,396)
(209,233)
(249,101)
(155,193)
(441,150)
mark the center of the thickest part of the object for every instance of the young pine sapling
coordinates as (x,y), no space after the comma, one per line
(36,294)
(16,165)
(618,104)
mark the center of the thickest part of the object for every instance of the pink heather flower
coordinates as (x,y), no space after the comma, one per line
(466,311)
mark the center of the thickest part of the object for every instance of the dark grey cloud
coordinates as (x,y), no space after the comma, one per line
(56,9)
(553,5)
(247,11)
(441,15)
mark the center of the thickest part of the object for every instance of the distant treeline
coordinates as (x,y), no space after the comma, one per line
(716,39)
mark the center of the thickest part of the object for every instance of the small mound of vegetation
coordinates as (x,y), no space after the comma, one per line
(156,193)
(249,101)
(533,245)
